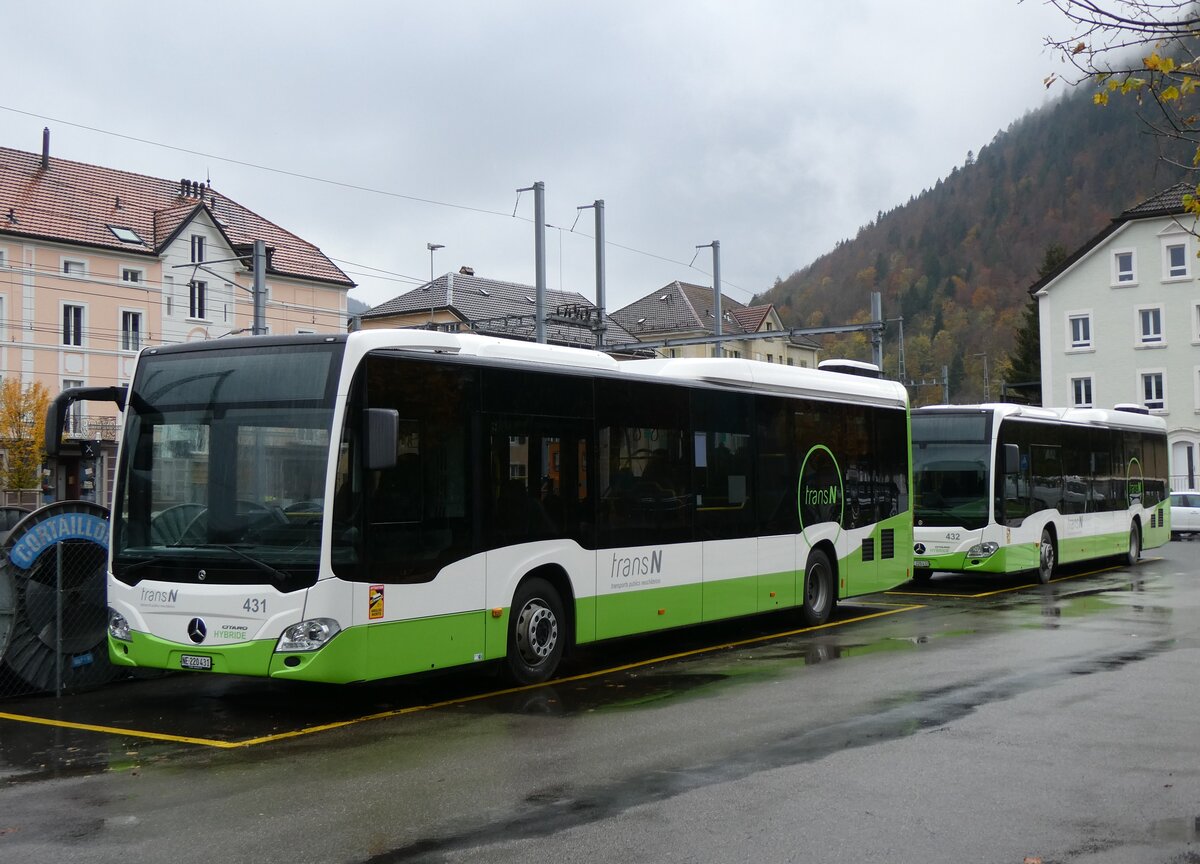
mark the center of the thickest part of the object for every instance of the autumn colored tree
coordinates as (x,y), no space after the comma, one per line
(22,431)
(1148,50)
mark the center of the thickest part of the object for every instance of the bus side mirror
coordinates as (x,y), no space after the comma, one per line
(56,414)
(1012,459)
(382,428)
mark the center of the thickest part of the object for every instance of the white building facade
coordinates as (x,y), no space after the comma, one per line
(1120,323)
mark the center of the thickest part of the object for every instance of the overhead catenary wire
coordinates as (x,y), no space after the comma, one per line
(726,284)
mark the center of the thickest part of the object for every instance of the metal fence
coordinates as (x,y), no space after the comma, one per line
(53,613)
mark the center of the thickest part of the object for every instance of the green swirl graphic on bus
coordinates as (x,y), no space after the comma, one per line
(820,495)
(1133,478)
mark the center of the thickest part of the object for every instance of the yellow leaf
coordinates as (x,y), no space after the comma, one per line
(1170,94)
(1100,98)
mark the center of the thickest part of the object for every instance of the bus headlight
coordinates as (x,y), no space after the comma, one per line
(983,550)
(308,635)
(118,626)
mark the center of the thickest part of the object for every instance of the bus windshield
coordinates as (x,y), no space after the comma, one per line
(222,475)
(950,469)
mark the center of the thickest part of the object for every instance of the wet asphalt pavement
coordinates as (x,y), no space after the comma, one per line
(960,721)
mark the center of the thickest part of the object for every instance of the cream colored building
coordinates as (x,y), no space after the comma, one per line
(96,263)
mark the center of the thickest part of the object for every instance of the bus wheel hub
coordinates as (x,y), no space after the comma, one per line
(537,632)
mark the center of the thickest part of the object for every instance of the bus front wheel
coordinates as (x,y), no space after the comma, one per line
(1135,545)
(818,589)
(1047,557)
(536,634)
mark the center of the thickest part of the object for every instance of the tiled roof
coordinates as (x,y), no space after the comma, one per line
(752,318)
(74,202)
(681,307)
(678,307)
(474,299)
(1166,202)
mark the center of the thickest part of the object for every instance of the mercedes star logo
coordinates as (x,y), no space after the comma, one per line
(196,630)
(919,548)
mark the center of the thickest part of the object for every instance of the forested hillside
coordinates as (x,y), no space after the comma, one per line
(957,260)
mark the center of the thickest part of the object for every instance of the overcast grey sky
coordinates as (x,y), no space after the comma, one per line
(775,127)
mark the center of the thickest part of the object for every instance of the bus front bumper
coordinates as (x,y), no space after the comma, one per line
(337,662)
(1007,559)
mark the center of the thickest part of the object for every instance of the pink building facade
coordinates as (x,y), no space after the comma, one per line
(96,264)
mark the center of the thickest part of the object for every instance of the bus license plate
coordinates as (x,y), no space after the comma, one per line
(920,562)
(194,661)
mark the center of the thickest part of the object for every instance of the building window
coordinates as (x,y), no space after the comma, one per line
(197,248)
(126,235)
(169,292)
(74,268)
(132,276)
(72,324)
(1150,326)
(1,257)
(131,331)
(73,421)
(1123,268)
(1080,325)
(1081,392)
(1154,391)
(197,299)
(1175,260)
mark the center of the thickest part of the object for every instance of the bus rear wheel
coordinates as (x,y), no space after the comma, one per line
(1047,557)
(819,595)
(536,634)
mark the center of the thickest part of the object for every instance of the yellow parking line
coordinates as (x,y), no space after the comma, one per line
(116,730)
(462,700)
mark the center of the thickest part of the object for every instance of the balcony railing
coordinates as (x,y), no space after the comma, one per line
(87,428)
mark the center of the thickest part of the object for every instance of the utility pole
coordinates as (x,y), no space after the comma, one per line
(539,254)
(716,247)
(877,335)
(260,288)
(598,206)
(987,390)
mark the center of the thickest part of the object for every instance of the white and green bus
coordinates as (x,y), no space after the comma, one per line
(355,507)
(1007,488)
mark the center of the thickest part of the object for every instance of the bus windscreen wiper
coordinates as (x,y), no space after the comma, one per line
(278,577)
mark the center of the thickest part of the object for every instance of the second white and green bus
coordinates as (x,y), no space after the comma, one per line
(355,507)
(1005,488)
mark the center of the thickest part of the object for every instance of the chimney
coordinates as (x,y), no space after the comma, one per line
(467,271)
(45,147)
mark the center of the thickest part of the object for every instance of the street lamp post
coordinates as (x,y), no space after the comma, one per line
(432,247)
